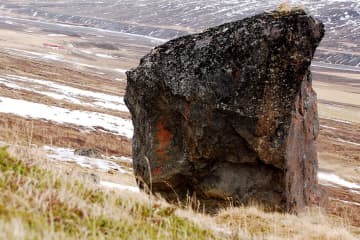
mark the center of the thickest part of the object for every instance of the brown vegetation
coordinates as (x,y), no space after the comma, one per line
(16,129)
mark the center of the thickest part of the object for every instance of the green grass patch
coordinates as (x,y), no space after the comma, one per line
(36,204)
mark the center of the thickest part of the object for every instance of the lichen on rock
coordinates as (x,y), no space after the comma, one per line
(230,113)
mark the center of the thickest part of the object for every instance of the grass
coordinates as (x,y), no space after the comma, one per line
(255,223)
(15,129)
(285,7)
(39,201)
(38,204)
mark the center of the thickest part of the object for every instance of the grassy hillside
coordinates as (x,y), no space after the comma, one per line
(40,201)
(37,204)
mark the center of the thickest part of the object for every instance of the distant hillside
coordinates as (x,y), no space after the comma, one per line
(170,19)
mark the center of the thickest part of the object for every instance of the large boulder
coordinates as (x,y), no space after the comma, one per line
(230,113)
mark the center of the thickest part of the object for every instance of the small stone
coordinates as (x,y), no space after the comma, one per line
(88,152)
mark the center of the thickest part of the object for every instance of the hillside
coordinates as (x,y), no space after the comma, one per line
(165,20)
(37,202)
(62,82)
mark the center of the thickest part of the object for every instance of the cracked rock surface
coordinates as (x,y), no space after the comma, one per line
(229,114)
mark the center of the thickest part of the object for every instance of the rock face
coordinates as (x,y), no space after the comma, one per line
(230,113)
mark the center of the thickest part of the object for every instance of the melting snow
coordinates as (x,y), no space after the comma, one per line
(24,53)
(119,79)
(56,35)
(87,119)
(347,202)
(121,159)
(33,55)
(42,56)
(339,120)
(332,178)
(354,191)
(53,56)
(327,127)
(63,92)
(119,186)
(104,56)
(86,51)
(121,70)
(68,155)
(349,142)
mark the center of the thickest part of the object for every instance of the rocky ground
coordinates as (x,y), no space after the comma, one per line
(49,72)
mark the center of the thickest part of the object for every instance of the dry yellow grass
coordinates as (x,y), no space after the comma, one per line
(45,201)
(253,222)
(15,129)
(285,7)
(38,201)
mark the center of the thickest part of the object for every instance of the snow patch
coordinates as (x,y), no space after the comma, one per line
(349,142)
(41,56)
(86,51)
(354,191)
(119,186)
(56,35)
(327,127)
(334,179)
(63,92)
(344,201)
(339,120)
(104,56)
(119,79)
(68,155)
(121,159)
(120,70)
(54,57)
(91,120)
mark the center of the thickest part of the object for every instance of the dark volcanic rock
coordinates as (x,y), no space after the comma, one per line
(230,113)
